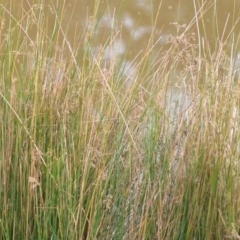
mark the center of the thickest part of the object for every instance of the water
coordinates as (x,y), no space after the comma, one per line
(135,19)
(131,23)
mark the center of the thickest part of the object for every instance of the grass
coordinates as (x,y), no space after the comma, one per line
(86,154)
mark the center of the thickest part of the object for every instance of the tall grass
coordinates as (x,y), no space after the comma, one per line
(85,155)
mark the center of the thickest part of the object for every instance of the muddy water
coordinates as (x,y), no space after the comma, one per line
(131,22)
(136,18)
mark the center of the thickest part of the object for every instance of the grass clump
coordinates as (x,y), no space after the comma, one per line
(87,154)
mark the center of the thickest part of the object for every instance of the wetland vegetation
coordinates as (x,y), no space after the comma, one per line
(90,152)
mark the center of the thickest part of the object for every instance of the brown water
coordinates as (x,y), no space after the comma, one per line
(136,19)
(131,22)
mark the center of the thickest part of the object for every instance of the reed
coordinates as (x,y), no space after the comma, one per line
(86,153)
